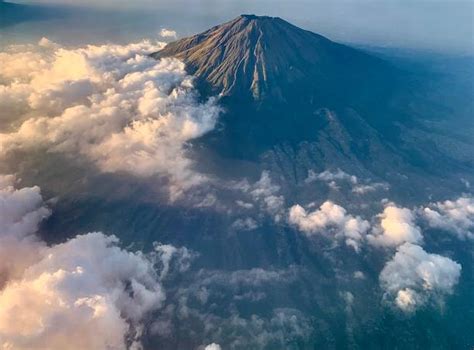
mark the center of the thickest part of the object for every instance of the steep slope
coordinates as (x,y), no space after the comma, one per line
(268,57)
(283,87)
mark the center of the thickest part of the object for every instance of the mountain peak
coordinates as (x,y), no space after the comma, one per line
(262,56)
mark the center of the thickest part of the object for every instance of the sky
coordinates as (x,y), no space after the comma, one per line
(445,26)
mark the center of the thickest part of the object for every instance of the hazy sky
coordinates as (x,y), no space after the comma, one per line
(442,25)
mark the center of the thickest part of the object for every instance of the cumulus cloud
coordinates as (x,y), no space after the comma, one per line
(455,216)
(84,287)
(21,212)
(112,104)
(168,33)
(330,217)
(213,346)
(397,226)
(414,277)
(62,296)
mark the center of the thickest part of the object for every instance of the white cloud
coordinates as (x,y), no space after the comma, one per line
(168,33)
(414,277)
(397,226)
(111,104)
(332,218)
(63,295)
(213,346)
(84,287)
(455,216)
(21,212)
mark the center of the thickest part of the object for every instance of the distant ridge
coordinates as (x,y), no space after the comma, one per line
(13,13)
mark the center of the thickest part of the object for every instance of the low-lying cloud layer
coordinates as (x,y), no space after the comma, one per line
(122,111)
(112,104)
(63,296)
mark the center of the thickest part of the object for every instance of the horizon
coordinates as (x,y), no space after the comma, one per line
(436,34)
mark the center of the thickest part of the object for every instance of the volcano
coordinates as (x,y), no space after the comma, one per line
(296,102)
(313,203)
(296,98)
(283,85)
(268,58)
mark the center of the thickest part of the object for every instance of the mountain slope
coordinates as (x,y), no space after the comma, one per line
(268,57)
(283,87)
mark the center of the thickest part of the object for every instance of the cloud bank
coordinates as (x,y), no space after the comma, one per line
(84,287)
(63,296)
(112,104)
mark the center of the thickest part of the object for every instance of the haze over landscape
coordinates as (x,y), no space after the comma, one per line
(221,175)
